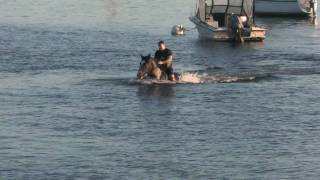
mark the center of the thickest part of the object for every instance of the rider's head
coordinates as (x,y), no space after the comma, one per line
(161,45)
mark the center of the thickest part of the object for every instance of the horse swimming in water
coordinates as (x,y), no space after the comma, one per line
(150,69)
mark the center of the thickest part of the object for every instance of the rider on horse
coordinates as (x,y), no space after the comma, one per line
(164,58)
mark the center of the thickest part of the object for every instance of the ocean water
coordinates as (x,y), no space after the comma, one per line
(70,107)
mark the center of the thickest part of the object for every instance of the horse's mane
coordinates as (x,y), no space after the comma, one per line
(153,61)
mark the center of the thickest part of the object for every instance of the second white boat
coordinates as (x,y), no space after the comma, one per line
(286,7)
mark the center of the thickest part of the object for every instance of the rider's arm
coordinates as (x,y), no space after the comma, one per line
(167,61)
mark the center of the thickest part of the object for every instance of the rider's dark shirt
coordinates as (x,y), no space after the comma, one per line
(163,55)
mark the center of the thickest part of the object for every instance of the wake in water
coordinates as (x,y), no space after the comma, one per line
(199,78)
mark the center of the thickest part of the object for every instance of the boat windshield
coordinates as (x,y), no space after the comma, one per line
(237,7)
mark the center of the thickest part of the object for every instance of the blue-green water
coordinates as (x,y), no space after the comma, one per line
(69,107)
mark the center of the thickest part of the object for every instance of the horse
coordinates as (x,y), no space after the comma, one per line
(149,69)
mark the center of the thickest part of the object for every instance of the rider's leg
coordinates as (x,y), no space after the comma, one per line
(172,77)
(171,74)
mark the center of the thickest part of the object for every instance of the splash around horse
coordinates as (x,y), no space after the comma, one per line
(149,69)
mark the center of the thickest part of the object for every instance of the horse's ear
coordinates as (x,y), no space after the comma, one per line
(141,56)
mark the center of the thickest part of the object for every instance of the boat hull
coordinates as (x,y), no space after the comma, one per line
(283,7)
(224,34)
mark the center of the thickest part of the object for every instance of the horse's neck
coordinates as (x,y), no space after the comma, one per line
(156,71)
(154,64)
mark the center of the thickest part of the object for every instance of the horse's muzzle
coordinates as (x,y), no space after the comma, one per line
(140,75)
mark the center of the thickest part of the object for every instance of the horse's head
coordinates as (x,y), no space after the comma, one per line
(146,67)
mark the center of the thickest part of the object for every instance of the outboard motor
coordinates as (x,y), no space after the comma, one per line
(313,7)
(237,27)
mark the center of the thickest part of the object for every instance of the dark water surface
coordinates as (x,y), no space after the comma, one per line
(70,109)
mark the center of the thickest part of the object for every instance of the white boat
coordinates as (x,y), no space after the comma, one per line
(286,7)
(227,20)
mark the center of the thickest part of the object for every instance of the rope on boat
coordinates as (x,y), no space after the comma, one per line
(191,29)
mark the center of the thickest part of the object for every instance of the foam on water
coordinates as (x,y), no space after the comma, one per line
(193,78)
(200,78)
(197,78)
